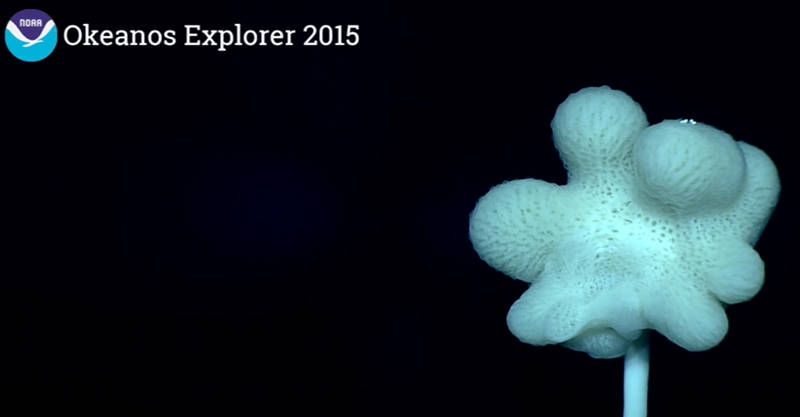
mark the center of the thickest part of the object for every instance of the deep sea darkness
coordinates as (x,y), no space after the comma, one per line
(283,231)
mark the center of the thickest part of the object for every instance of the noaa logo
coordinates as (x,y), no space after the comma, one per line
(31,35)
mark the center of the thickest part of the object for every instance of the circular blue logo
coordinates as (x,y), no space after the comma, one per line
(31,35)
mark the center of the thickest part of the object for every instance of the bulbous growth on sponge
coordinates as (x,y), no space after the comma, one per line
(688,167)
(593,126)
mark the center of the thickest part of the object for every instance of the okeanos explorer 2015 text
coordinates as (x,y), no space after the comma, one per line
(221,39)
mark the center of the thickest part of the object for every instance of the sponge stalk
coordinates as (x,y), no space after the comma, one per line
(637,371)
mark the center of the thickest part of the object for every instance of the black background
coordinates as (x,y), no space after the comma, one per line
(283,231)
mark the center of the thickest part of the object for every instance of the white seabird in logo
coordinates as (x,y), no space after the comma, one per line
(22,38)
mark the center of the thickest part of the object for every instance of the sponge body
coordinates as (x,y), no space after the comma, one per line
(654,229)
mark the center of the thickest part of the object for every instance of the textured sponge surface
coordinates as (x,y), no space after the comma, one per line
(654,230)
(688,167)
(593,126)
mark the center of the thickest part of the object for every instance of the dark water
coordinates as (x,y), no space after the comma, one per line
(286,229)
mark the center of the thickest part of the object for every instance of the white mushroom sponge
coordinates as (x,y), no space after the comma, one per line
(654,229)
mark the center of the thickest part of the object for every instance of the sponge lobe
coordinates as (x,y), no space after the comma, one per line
(760,194)
(688,167)
(686,314)
(515,223)
(594,126)
(736,274)
(600,343)
(584,298)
